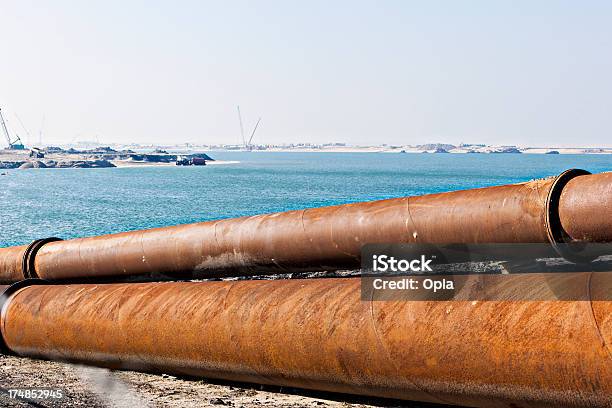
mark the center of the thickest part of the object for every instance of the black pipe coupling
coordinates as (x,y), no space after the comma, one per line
(558,238)
(27,263)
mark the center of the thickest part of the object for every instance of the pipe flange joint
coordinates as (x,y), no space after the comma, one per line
(558,238)
(27,263)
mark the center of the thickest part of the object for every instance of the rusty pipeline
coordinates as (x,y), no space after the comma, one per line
(319,334)
(11,263)
(330,238)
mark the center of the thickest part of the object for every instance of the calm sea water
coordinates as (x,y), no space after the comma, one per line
(81,202)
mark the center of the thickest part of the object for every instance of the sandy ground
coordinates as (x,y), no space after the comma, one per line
(97,387)
(23,155)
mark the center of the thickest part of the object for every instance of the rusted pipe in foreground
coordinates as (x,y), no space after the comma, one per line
(318,334)
(327,238)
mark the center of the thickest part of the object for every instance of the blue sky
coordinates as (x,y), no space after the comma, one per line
(529,73)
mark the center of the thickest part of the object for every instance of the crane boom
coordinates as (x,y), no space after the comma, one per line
(17,144)
(5,130)
(23,127)
(253,134)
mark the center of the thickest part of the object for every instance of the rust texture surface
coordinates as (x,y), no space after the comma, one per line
(10,263)
(318,334)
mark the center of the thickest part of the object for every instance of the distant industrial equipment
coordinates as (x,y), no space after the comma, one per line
(15,144)
(37,153)
(190,161)
(248,146)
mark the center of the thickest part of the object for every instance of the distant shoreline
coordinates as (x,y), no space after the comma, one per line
(106,157)
(376,149)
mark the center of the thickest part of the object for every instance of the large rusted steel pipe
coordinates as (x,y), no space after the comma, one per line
(11,263)
(585,208)
(319,334)
(327,238)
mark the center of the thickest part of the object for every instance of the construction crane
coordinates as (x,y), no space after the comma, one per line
(247,145)
(15,144)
